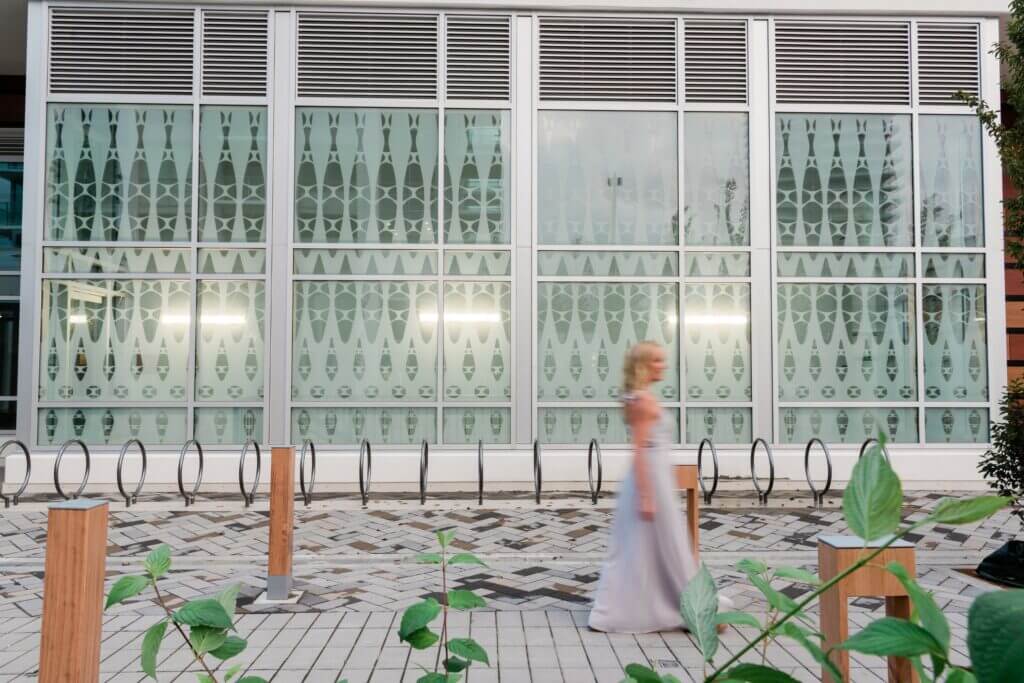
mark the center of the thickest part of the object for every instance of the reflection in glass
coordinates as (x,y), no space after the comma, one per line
(232,426)
(232,174)
(12,182)
(465,425)
(579,425)
(717,264)
(716,179)
(9,317)
(607,178)
(848,425)
(845,264)
(953,265)
(955,345)
(230,342)
(608,263)
(956,425)
(349,426)
(721,425)
(951,181)
(8,415)
(104,260)
(365,262)
(114,426)
(844,180)
(478,263)
(476,193)
(233,261)
(717,342)
(477,333)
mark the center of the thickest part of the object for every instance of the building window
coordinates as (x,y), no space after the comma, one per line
(11,193)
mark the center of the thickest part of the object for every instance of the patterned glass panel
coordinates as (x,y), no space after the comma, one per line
(848,425)
(716,179)
(717,342)
(846,342)
(365,262)
(381,426)
(941,266)
(476,188)
(608,263)
(232,174)
(844,180)
(233,261)
(721,425)
(104,260)
(838,264)
(365,341)
(230,344)
(114,426)
(584,330)
(717,264)
(956,425)
(366,175)
(951,182)
(607,178)
(114,340)
(580,425)
(220,425)
(955,345)
(477,333)
(119,173)
(9,322)
(12,184)
(470,425)
(478,263)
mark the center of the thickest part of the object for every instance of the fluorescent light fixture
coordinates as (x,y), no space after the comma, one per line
(430,317)
(716,320)
(77,319)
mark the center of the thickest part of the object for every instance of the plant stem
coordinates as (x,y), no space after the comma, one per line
(198,657)
(444,611)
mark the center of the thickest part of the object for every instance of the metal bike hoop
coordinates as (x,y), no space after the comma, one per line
(307,493)
(818,495)
(480,471)
(424,467)
(15,497)
(700,472)
(594,449)
(132,497)
(249,496)
(868,442)
(190,496)
(56,468)
(538,471)
(762,494)
(365,455)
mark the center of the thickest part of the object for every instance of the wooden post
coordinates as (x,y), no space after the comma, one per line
(686,479)
(76,562)
(282,522)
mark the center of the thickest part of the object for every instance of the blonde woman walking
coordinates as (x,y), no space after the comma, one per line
(649,556)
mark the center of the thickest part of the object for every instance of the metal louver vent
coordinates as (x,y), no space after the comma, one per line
(234,53)
(12,141)
(367,55)
(479,57)
(947,61)
(716,60)
(111,50)
(608,59)
(842,62)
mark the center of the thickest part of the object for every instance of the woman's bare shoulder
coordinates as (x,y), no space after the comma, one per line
(643,404)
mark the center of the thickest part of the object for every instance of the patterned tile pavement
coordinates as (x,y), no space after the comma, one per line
(355,568)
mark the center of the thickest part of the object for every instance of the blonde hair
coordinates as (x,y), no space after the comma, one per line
(636,366)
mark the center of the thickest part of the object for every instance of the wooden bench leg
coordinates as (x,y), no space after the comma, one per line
(900,668)
(693,521)
(835,628)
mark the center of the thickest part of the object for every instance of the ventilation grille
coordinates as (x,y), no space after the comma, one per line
(96,50)
(235,53)
(848,62)
(608,59)
(12,141)
(367,55)
(479,57)
(716,60)
(947,56)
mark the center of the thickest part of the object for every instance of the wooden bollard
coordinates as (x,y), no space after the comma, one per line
(76,562)
(686,480)
(282,522)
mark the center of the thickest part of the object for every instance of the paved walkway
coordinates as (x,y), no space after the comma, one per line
(355,567)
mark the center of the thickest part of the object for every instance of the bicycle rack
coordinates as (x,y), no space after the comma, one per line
(480,471)
(424,466)
(819,496)
(538,471)
(307,495)
(365,453)
(762,494)
(16,496)
(56,468)
(700,473)
(132,497)
(592,449)
(251,495)
(869,441)
(190,497)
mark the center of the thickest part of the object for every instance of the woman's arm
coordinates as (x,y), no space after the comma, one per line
(641,415)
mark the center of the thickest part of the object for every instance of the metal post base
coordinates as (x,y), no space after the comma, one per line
(279,589)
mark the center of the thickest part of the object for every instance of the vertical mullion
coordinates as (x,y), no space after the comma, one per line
(918,240)
(192,363)
(681,223)
(442,97)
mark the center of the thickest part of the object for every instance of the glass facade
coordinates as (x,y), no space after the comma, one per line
(11,194)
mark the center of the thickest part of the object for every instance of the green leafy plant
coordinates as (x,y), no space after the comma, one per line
(871,507)
(1003,463)
(459,653)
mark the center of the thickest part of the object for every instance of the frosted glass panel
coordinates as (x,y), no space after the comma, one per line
(232,426)
(717,264)
(844,180)
(951,182)
(839,264)
(477,166)
(848,425)
(608,263)
(477,333)
(232,174)
(579,425)
(721,425)
(233,261)
(230,345)
(103,260)
(366,175)
(350,426)
(956,425)
(717,342)
(846,343)
(953,265)
(114,426)
(365,262)
(584,331)
(607,178)
(118,173)
(478,263)
(470,425)
(717,179)
(955,345)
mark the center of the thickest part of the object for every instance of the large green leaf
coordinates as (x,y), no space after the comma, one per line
(466,558)
(158,561)
(232,672)
(468,649)
(967,510)
(204,639)
(205,612)
(755,673)
(232,646)
(872,499)
(455,665)
(777,600)
(431,677)
(464,599)
(126,587)
(995,636)
(797,574)
(699,607)
(925,609)
(429,558)
(737,619)
(890,636)
(960,676)
(418,616)
(445,537)
(641,674)
(422,639)
(804,638)
(228,599)
(151,647)
(749,566)
(252,679)
(205,678)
